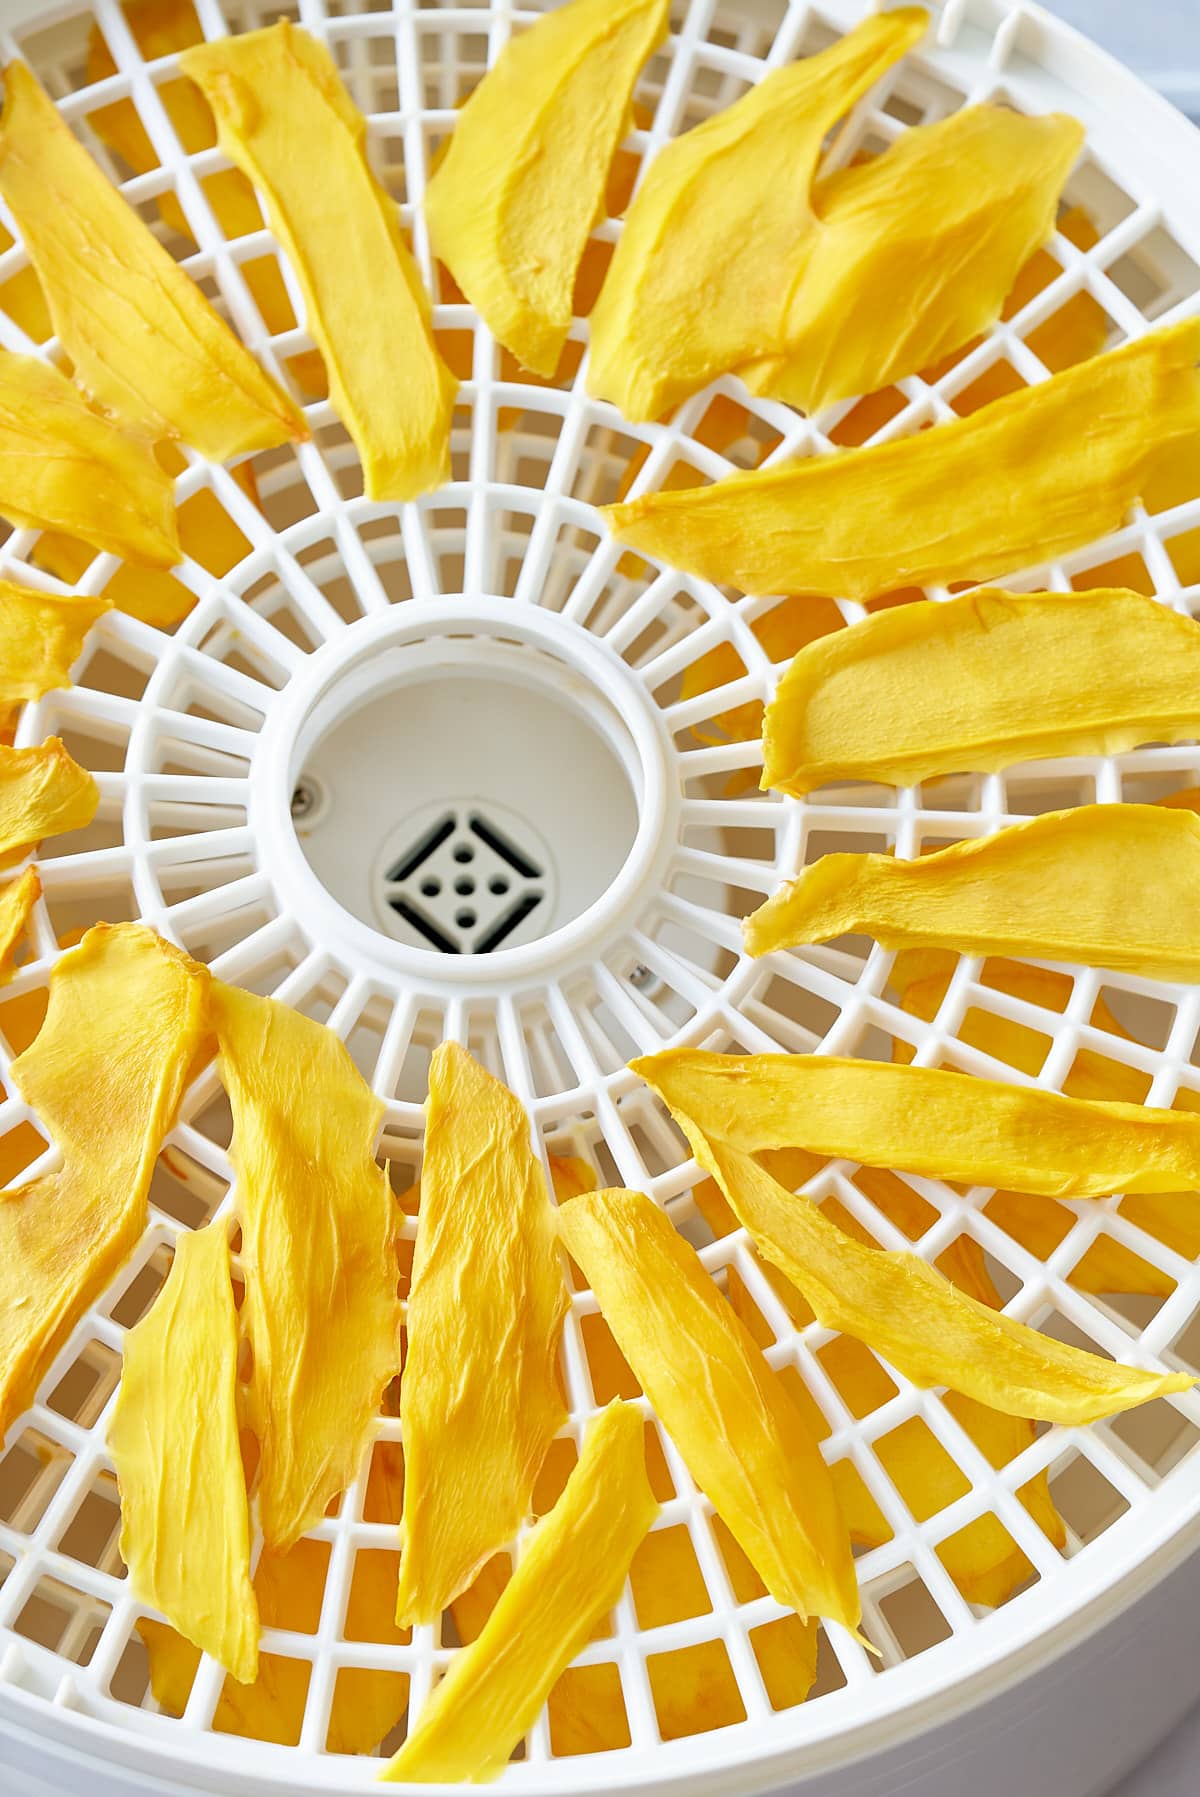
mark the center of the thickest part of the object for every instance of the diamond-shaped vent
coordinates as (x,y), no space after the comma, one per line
(464,884)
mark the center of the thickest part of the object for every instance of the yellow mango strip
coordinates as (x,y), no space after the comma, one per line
(566,1581)
(1070,455)
(161,27)
(523,180)
(125,1023)
(1106,885)
(144,342)
(480,1401)
(1017,675)
(318,1251)
(782,632)
(915,250)
(41,639)
(743,1439)
(185,1523)
(929,1121)
(285,119)
(17,900)
(43,792)
(911,1314)
(719,230)
(289,1590)
(64,468)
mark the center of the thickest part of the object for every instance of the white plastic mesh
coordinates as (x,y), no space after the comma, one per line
(171,723)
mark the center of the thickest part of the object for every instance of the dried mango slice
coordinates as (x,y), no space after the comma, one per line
(160,28)
(185,1523)
(1071,455)
(144,342)
(523,180)
(929,1121)
(284,117)
(63,467)
(1065,886)
(41,638)
(717,233)
(567,1580)
(782,632)
(126,1021)
(17,900)
(480,1401)
(744,1441)
(914,251)
(43,792)
(921,1323)
(1017,675)
(318,1249)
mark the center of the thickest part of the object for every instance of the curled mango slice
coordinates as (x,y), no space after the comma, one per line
(17,900)
(285,119)
(143,340)
(1071,455)
(125,1025)
(41,638)
(480,1400)
(744,1441)
(930,1121)
(43,792)
(914,251)
(185,1524)
(911,1314)
(512,202)
(1107,885)
(566,1581)
(318,1230)
(1017,675)
(64,468)
(701,276)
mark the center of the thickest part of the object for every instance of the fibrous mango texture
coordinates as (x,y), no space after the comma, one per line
(523,181)
(125,1024)
(43,792)
(17,900)
(913,252)
(185,1525)
(744,1440)
(64,468)
(284,117)
(144,342)
(41,637)
(1107,885)
(701,275)
(566,1581)
(980,682)
(480,1401)
(930,1121)
(1070,457)
(318,1232)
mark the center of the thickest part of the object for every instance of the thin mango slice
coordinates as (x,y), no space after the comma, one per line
(914,251)
(480,1400)
(285,119)
(908,1312)
(144,342)
(566,1581)
(1070,456)
(185,1522)
(1016,676)
(17,900)
(318,1251)
(43,792)
(743,1439)
(64,468)
(717,232)
(160,28)
(1107,885)
(523,181)
(930,1121)
(125,1024)
(41,639)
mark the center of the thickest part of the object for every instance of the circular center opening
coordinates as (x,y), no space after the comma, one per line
(465,794)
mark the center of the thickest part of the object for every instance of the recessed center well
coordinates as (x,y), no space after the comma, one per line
(466,795)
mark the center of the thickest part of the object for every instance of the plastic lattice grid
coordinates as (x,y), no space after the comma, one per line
(172,724)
